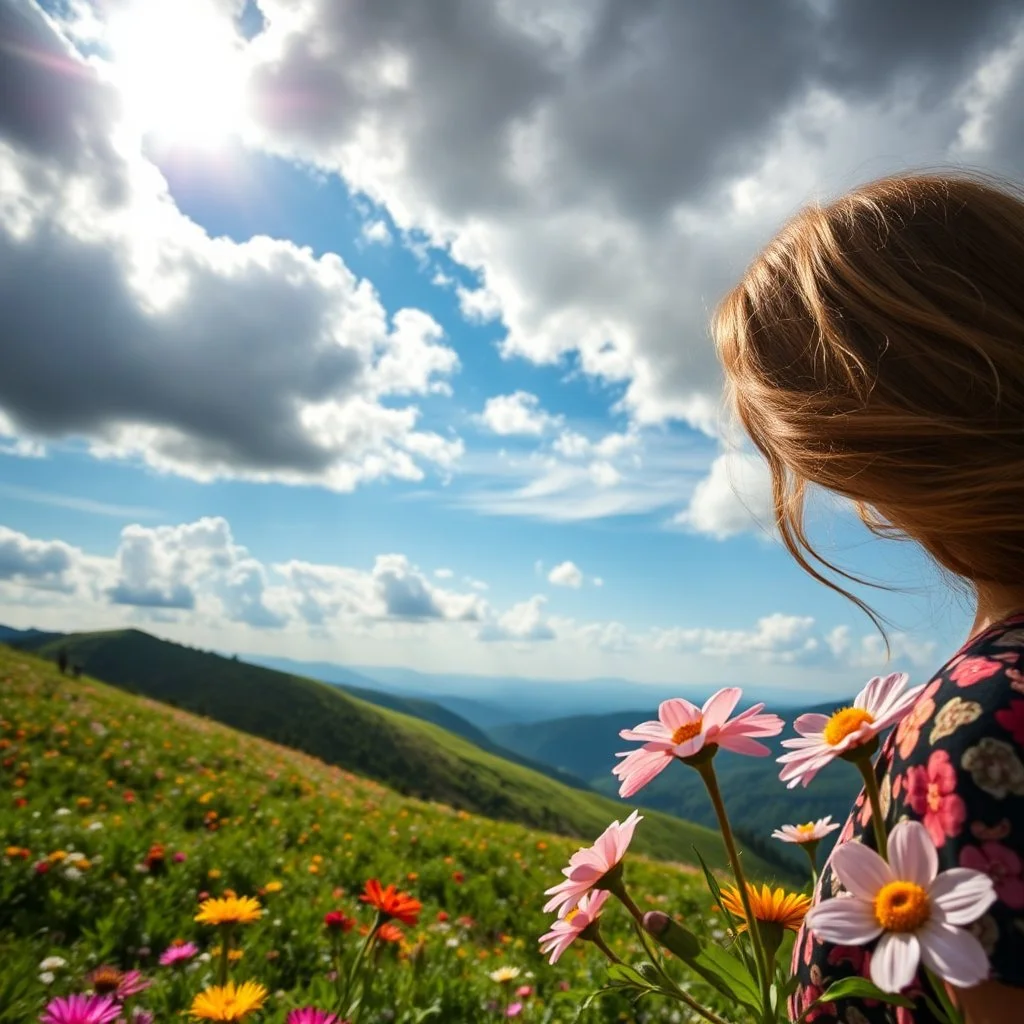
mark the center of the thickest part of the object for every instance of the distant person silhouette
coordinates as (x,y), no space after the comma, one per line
(62,662)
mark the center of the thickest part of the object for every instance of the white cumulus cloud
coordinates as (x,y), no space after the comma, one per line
(517,414)
(566,574)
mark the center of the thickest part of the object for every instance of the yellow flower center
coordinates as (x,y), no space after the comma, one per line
(902,907)
(807,829)
(687,732)
(843,722)
(572,913)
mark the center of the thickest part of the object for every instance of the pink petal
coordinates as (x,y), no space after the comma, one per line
(954,954)
(895,961)
(755,725)
(641,771)
(810,724)
(861,870)
(677,712)
(646,731)
(962,894)
(742,745)
(844,920)
(690,747)
(605,847)
(912,854)
(624,834)
(720,706)
(877,691)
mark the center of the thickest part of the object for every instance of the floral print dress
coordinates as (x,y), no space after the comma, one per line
(954,764)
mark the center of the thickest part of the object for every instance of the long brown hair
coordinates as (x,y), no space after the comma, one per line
(875,347)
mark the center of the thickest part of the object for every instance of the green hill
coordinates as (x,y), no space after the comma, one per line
(99,782)
(414,757)
(757,801)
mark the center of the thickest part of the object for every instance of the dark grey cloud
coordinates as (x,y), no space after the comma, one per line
(51,104)
(126,324)
(48,564)
(610,167)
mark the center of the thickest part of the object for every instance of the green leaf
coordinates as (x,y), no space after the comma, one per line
(623,974)
(716,894)
(649,972)
(862,988)
(591,999)
(729,975)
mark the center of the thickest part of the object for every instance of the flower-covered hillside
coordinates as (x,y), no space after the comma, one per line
(121,816)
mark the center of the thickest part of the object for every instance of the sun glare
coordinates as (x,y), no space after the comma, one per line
(179,68)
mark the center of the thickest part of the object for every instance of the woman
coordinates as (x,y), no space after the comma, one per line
(876,348)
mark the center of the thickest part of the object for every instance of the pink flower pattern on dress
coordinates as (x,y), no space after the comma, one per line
(1002,865)
(974,670)
(931,793)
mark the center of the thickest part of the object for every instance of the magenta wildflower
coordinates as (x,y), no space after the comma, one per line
(80,1009)
(178,955)
(311,1015)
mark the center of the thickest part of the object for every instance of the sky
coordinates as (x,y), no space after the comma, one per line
(376,333)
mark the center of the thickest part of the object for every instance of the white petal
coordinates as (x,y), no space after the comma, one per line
(912,854)
(954,954)
(861,870)
(962,894)
(895,960)
(844,920)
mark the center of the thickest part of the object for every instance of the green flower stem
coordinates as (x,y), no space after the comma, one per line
(706,769)
(225,955)
(811,851)
(953,1014)
(357,962)
(867,771)
(618,890)
(336,958)
(684,997)
(598,940)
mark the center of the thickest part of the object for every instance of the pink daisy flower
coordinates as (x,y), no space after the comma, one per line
(683,729)
(311,1015)
(79,1009)
(883,702)
(589,865)
(566,930)
(916,912)
(178,955)
(812,832)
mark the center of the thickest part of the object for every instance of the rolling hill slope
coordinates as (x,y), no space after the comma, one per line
(414,757)
(127,812)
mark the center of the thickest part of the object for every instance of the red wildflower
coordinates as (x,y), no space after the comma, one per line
(391,903)
(336,921)
(389,933)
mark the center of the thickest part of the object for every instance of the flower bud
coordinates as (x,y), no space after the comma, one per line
(673,936)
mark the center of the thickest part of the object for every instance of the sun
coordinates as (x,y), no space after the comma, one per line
(179,68)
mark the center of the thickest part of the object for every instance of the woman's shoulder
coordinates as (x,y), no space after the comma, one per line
(976,697)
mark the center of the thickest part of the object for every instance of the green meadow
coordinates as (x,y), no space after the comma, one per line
(94,778)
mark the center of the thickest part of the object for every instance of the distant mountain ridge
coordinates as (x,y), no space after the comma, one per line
(413,756)
(492,701)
